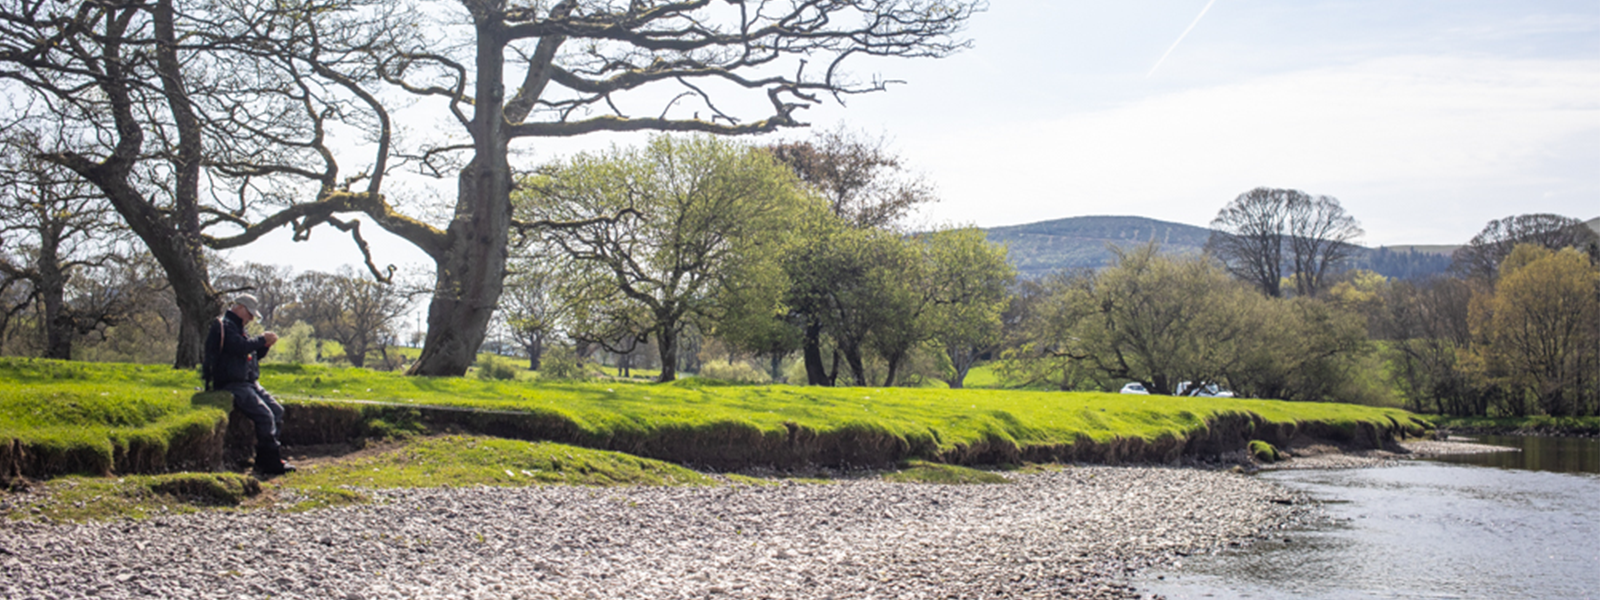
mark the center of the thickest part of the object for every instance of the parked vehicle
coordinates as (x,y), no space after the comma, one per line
(1210,390)
(1134,387)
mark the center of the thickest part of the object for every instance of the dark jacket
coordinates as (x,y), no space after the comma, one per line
(233,356)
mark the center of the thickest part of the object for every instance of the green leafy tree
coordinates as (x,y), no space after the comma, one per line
(172,101)
(1305,349)
(850,287)
(348,308)
(1426,327)
(753,316)
(1541,329)
(693,211)
(532,310)
(969,281)
(1153,319)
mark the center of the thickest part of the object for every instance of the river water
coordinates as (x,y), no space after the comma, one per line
(1507,525)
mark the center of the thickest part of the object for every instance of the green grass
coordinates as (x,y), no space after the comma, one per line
(925,472)
(79,416)
(983,376)
(80,499)
(96,407)
(475,460)
(941,417)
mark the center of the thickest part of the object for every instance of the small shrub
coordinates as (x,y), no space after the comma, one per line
(494,367)
(217,489)
(738,372)
(926,472)
(1264,451)
(296,345)
(562,362)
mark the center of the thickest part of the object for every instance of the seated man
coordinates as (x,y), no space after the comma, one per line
(234,365)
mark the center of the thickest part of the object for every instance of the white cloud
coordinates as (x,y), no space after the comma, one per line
(1402,132)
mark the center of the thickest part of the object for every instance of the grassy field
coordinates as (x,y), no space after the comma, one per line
(944,417)
(99,409)
(81,416)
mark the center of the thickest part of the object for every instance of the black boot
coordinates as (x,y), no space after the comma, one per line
(269,461)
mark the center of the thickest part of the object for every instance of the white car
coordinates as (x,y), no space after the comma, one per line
(1210,390)
(1134,387)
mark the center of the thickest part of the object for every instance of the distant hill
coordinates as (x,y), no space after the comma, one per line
(1040,248)
(1594,224)
(1081,242)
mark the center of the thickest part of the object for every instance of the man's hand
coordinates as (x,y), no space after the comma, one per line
(270,337)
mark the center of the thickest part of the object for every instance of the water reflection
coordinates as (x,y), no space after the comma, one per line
(1560,455)
(1421,530)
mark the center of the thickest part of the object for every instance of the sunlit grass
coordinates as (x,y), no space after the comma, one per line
(475,460)
(946,417)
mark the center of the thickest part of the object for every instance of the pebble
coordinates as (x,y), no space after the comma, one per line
(1076,533)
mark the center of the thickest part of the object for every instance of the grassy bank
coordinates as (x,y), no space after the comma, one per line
(420,462)
(67,417)
(99,418)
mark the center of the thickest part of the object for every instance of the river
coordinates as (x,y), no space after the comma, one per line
(1503,525)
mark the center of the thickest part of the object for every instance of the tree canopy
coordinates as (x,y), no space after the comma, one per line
(208,125)
(694,214)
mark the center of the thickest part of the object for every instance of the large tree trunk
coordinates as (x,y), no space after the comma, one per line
(52,294)
(471,268)
(535,348)
(858,369)
(667,345)
(894,369)
(816,374)
(471,272)
(172,236)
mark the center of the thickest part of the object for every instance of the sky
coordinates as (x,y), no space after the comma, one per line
(1426,119)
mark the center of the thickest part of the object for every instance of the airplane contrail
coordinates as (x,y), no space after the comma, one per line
(1180,38)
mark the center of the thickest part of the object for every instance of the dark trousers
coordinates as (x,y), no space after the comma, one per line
(254,401)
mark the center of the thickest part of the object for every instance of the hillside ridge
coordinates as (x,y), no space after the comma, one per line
(1085,242)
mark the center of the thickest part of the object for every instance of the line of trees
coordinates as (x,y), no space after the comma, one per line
(1516,333)
(765,250)
(207,125)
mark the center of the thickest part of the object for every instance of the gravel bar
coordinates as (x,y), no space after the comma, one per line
(1077,533)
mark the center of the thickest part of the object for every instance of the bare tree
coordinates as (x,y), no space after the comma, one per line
(582,63)
(198,122)
(1249,236)
(1321,237)
(347,308)
(53,229)
(531,310)
(1481,257)
(866,185)
(252,96)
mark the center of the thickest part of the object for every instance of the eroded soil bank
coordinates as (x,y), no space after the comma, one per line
(734,446)
(725,446)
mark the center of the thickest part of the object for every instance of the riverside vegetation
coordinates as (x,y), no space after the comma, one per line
(81,423)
